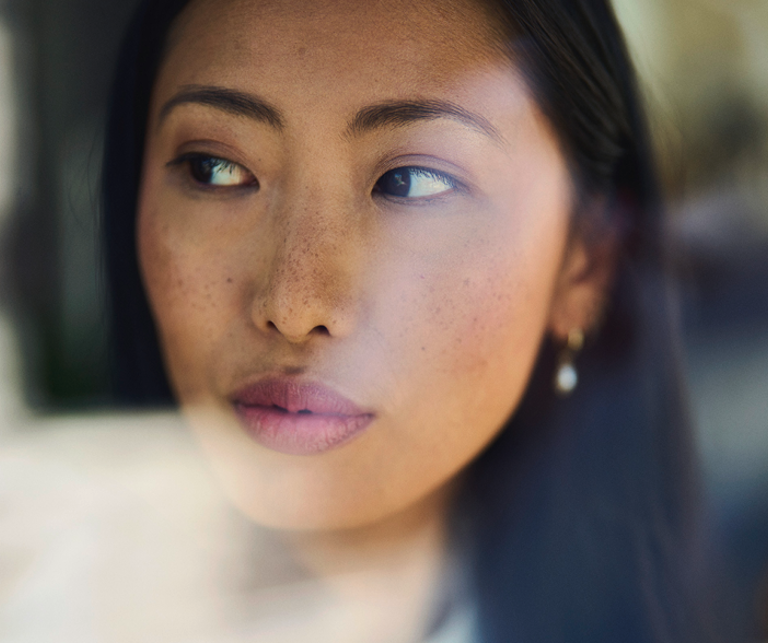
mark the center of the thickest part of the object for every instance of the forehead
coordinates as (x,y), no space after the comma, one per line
(310,44)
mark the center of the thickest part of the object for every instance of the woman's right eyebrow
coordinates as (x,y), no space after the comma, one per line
(228,100)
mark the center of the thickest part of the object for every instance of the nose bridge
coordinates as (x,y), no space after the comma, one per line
(310,280)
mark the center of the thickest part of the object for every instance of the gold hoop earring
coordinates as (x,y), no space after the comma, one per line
(566,376)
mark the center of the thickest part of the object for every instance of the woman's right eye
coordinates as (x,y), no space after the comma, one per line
(216,172)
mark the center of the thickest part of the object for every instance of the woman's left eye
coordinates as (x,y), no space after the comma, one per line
(414,182)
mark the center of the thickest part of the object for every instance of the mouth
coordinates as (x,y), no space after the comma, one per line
(298,419)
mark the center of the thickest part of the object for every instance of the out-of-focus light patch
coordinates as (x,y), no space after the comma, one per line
(751,19)
(645,26)
(7,122)
(10,396)
(728,381)
(11,406)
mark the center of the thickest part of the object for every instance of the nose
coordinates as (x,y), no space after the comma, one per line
(309,289)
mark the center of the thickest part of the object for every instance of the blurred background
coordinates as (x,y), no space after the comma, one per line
(704,69)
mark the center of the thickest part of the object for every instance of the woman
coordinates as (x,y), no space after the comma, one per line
(360,241)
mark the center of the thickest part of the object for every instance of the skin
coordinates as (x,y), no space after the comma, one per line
(428,312)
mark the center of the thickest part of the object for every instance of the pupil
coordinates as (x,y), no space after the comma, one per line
(202,169)
(399,183)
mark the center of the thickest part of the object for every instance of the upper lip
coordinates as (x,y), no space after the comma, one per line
(294,397)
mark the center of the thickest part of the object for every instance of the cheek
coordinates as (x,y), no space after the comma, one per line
(461,342)
(471,326)
(483,335)
(188,296)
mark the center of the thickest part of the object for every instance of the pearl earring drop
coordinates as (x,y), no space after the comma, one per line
(566,376)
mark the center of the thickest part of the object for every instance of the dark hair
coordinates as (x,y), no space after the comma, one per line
(580,517)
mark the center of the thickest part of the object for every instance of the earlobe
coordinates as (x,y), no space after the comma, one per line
(583,284)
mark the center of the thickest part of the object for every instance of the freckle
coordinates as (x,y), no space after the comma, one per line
(229,280)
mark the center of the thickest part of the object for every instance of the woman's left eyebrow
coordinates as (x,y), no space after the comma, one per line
(399,113)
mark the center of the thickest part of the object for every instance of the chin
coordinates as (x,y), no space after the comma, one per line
(286,491)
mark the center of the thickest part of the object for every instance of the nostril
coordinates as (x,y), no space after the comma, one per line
(317,330)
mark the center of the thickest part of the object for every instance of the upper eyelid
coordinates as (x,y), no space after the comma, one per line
(212,148)
(430,163)
(185,156)
(449,179)
(180,160)
(432,172)
(456,183)
(457,188)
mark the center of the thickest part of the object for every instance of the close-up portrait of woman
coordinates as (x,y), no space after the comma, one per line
(404,270)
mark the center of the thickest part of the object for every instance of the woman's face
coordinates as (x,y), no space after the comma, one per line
(353,231)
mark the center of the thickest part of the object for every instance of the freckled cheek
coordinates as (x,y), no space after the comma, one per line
(463,361)
(188,294)
(473,324)
(472,332)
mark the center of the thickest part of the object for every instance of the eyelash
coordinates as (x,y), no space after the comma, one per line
(393,176)
(396,176)
(213,163)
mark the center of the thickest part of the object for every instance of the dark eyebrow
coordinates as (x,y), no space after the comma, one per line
(227,100)
(399,113)
(386,114)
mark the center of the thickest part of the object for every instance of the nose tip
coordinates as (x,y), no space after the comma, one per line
(308,289)
(297,321)
(299,316)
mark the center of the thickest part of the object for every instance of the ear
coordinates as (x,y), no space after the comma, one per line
(584,281)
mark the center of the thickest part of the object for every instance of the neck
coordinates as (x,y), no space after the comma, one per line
(393,567)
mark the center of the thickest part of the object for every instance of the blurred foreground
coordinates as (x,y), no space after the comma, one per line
(113,529)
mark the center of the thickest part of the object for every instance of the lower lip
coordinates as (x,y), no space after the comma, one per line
(300,433)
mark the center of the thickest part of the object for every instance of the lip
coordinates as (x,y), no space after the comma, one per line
(298,418)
